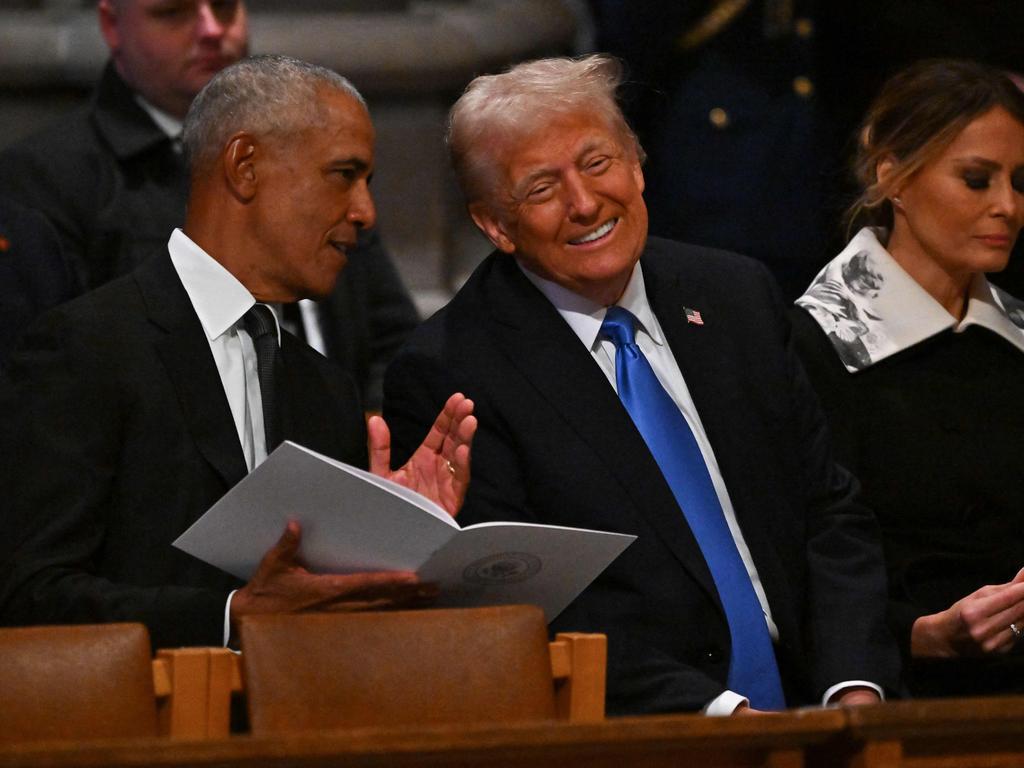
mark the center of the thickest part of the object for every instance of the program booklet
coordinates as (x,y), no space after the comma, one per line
(355,521)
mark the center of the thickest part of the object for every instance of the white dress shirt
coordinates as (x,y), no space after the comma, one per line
(220,302)
(585,318)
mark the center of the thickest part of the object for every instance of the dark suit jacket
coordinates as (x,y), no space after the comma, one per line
(117,437)
(34,274)
(111,184)
(556,446)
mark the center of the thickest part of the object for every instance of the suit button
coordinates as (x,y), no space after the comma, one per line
(713,655)
(719,117)
(803,87)
(804,28)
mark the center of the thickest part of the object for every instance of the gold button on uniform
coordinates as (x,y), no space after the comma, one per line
(804,28)
(718,117)
(803,87)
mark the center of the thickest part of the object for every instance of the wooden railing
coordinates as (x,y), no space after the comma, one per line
(778,741)
(966,733)
(194,688)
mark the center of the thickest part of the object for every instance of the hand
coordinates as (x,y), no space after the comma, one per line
(856,697)
(974,625)
(282,585)
(439,469)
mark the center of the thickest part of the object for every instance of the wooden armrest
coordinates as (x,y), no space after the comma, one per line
(578,665)
(193,688)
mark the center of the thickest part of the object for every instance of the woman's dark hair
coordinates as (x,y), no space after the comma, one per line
(917,114)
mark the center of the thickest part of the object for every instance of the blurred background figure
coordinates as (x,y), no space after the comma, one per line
(925,397)
(112,179)
(34,274)
(723,101)
(748,108)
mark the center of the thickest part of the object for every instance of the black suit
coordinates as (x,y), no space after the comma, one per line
(117,437)
(113,187)
(34,274)
(556,446)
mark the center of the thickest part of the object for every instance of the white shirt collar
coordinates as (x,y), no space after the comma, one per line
(217,296)
(165,122)
(866,324)
(585,316)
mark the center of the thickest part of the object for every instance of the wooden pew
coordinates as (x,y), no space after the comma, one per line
(776,741)
(935,733)
(194,686)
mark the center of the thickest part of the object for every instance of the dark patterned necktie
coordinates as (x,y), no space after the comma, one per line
(261,326)
(753,671)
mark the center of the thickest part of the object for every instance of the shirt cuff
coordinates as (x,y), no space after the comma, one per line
(838,688)
(725,704)
(227,619)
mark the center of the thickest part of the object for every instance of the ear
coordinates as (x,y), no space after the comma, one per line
(492,226)
(108,25)
(638,175)
(884,170)
(239,163)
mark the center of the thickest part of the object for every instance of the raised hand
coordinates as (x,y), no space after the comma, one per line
(439,469)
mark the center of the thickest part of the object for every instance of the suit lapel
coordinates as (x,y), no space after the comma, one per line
(319,413)
(182,347)
(547,352)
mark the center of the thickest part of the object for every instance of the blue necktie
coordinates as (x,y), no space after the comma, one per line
(752,668)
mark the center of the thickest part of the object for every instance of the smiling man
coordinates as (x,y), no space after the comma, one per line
(132,409)
(638,385)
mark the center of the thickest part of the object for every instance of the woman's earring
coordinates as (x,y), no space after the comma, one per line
(897,202)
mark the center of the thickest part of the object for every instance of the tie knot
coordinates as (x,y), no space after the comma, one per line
(620,326)
(259,321)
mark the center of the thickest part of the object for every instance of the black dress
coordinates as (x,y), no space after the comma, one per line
(935,433)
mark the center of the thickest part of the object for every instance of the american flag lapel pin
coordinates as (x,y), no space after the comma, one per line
(693,316)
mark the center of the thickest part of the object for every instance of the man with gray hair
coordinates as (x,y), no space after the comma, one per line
(637,385)
(111,180)
(134,408)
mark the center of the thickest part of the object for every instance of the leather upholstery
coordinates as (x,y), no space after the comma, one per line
(76,682)
(317,671)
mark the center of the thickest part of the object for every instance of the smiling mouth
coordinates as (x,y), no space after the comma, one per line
(597,234)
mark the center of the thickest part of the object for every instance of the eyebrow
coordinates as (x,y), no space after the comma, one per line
(530,178)
(977,160)
(355,162)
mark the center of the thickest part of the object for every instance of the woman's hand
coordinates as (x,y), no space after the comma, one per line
(975,625)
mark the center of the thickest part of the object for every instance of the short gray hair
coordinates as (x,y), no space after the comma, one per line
(511,105)
(264,95)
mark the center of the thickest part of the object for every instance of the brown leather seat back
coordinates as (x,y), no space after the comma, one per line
(314,671)
(76,682)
